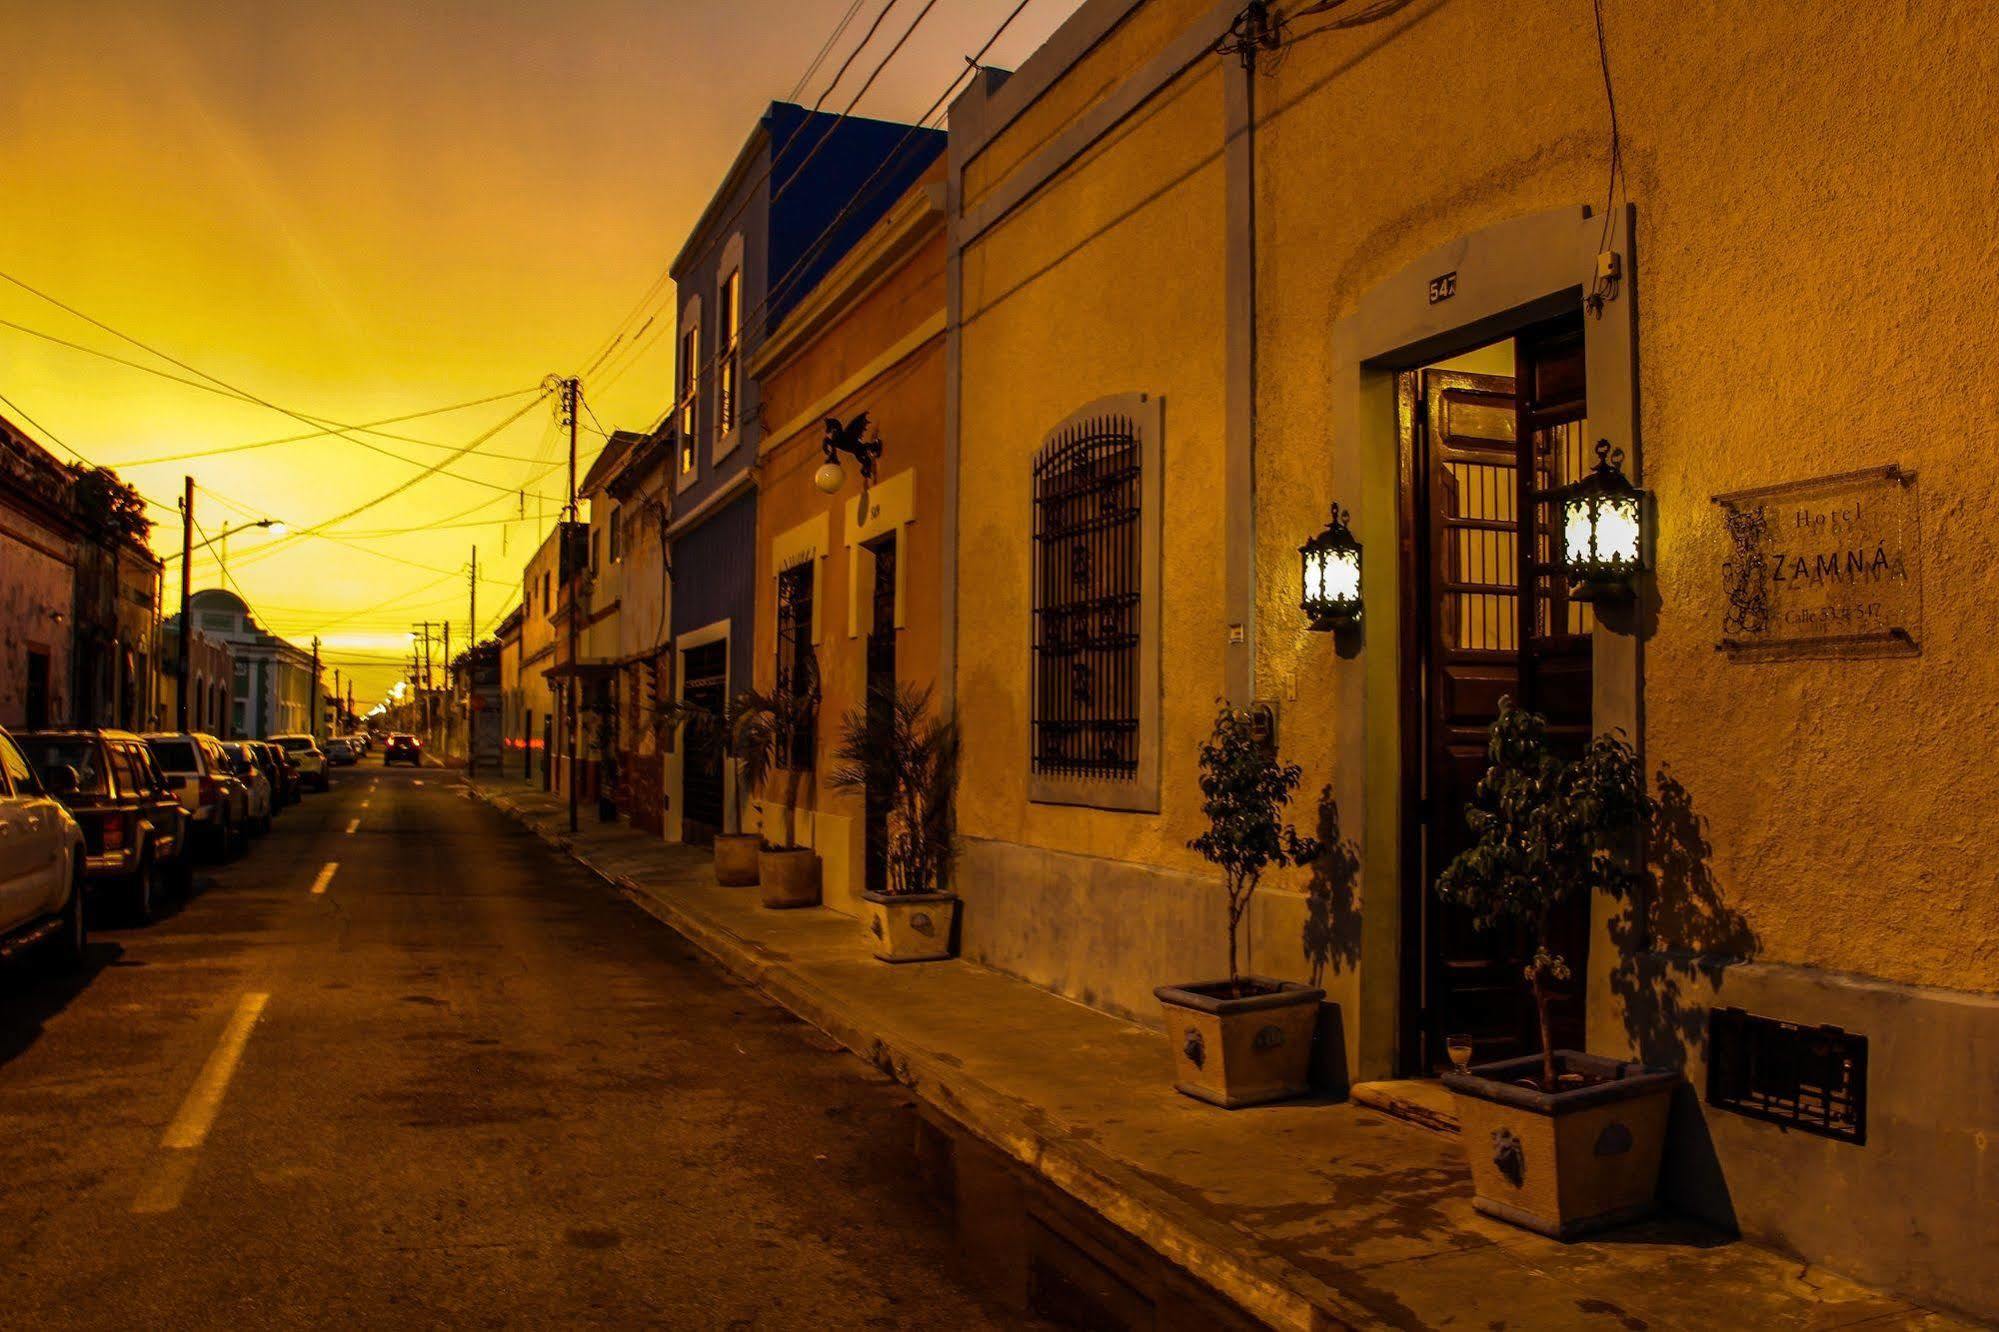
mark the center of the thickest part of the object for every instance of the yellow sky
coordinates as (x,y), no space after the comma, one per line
(362,210)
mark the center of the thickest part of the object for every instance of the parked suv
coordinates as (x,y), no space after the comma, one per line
(305,752)
(403,749)
(218,805)
(242,756)
(41,863)
(134,829)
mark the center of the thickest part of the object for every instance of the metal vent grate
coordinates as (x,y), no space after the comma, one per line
(1086,502)
(1813,1079)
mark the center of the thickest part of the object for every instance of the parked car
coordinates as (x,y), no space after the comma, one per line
(42,861)
(311,760)
(272,760)
(362,742)
(291,786)
(218,805)
(134,829)
(341,754)
(401,748)
(243,763)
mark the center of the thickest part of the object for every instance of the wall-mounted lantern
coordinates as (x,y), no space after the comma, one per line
(1332,576)
(854,437)
(1603,528)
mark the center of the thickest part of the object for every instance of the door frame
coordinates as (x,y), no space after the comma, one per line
(1506,277)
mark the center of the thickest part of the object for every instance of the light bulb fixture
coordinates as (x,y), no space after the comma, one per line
(1330,563)
(856,437)
(1603,518)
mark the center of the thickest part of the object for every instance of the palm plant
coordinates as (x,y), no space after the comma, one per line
(1244,790)
(773,731)
(1545,829)
(895,749)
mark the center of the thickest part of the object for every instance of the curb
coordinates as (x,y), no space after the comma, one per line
(1213,1252)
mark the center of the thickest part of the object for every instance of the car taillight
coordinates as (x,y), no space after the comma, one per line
(113,832)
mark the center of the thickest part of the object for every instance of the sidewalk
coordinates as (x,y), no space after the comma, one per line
(1306,1215)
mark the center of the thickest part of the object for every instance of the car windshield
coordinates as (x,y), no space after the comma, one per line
(48,753)
(174,755)
(296,744)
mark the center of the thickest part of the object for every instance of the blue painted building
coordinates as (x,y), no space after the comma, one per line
(803,189)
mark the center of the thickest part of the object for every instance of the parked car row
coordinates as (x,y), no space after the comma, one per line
(93,818)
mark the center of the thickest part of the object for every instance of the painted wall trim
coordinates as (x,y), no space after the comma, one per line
(813,417)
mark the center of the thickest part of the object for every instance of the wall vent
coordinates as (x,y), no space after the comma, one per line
(1813,1079)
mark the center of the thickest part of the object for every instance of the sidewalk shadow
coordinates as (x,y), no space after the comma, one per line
(34,989)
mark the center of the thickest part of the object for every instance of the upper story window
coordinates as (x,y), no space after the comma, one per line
(728,338)
(617,532)
(689,395)
(1095,715)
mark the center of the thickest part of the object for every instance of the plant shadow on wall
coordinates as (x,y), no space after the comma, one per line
(1332,896)
(1673,949)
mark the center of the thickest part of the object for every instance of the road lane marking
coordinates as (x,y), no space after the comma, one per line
(417,782)
(352,824)
(326,873)
(168,1180)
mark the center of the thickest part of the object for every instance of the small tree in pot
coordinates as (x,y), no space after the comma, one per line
(1247,1039)
(895,751)
(1545,831)
(712,733)
(774,734)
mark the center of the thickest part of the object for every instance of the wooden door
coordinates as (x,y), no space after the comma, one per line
(1486,624)
(880,702)
(701,784)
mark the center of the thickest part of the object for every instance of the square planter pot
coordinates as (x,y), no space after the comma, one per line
(736,859)
(911,927)
(790,877)
(1566,1163)
(1248,1051)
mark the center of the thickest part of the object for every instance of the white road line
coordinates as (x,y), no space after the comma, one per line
(367,802)
(417,782)
(326,873)
(352,824)
(169,1177)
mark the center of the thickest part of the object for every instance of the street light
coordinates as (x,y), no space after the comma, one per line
(855,438)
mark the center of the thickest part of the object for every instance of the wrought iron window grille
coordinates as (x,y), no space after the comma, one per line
(1813,1079)
(1087,581)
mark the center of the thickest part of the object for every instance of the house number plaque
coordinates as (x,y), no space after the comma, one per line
(1823,568)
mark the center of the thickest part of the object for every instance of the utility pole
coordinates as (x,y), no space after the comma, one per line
(181,649)
(571,391)
(471,642)
(318,695)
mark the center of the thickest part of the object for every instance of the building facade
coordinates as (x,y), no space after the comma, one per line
(1262,287)
(516,758)
(804,186)
(641,489)
(851,580)
(212,669)
(544,651)
(39,543)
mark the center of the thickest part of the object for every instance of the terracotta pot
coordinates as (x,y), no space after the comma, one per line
(911,927)
(790,877)
(1566,1163)
(1247,1051)
(736,859)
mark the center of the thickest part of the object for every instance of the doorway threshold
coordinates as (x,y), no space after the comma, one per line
(1424,1102)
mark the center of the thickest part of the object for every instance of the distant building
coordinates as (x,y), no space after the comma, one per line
(544,649)
(515,755)
(212,668)
(641,491)
(273,688)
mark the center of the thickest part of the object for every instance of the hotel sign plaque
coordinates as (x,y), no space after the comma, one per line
(1823,568)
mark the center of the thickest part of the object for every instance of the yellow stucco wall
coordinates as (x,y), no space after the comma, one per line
(1809,219)
(1107,282)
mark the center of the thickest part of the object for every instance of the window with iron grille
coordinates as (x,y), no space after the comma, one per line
(795,665)
(1088,575)
(689,395)
(729,313)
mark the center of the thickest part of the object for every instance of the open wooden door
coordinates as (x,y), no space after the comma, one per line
(1484,623)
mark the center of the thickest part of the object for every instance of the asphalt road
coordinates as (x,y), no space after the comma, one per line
(463,1085)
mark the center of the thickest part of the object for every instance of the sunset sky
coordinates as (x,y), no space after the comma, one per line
(364,210)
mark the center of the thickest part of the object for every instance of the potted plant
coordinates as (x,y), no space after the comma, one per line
(1563,1142)
(897,752)
(774,735)
(711,732)
(1248,1039)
